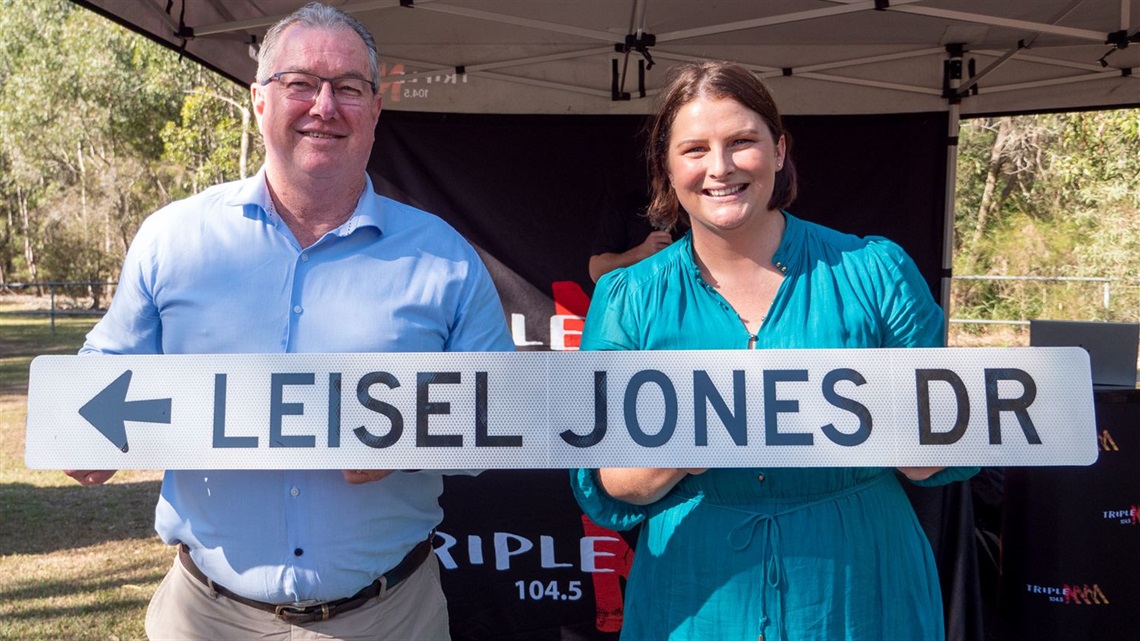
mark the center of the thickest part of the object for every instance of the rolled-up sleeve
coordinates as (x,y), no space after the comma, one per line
(603,509)
(947,476)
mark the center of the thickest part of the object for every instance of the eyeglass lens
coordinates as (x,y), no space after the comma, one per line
(305,86)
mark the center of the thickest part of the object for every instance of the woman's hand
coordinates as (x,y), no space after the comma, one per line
(919,473)
(642,486)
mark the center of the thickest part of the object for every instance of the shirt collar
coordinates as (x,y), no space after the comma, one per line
(370,209)
(786,254)
(687,256)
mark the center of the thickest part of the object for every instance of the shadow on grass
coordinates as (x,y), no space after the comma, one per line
(118,607)
(37,520)
(138,573)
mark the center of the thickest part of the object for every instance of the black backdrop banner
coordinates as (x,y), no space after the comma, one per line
(519,559)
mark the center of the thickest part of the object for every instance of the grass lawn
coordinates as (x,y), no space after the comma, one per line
(75,562)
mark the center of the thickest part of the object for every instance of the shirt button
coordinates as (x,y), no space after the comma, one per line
(760,477)
(296,309)
(298,552)
(304,258)
(294,491)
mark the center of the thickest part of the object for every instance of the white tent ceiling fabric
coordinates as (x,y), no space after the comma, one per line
(818,57)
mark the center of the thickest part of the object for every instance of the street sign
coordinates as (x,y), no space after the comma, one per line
(779,408)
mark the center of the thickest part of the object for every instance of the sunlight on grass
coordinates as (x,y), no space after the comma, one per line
(98,592)
(76,563)
(24,337)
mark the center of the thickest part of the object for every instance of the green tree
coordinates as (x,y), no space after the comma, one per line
(220,152)
(85,107)
(25,28)
(1050,195)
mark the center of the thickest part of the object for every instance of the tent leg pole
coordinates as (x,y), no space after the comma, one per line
(948,215)
(952,80)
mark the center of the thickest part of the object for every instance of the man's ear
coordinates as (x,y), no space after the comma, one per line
(379,108)
(257,96)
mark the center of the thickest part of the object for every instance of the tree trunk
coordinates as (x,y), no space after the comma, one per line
(988,203)
(29,250)
(6,244)
(245,136)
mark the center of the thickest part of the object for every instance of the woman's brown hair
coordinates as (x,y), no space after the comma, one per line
(716,80)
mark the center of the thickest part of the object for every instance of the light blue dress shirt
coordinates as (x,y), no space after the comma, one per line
(824,554)
(220,272)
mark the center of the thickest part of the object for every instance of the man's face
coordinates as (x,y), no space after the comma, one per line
(318,138)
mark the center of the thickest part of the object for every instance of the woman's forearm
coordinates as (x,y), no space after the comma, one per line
(640,485)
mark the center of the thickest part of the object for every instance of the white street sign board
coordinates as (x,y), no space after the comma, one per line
(775,408)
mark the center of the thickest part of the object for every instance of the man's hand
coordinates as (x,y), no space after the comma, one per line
(653,243)
(606,262)
(90,477)
(360,477)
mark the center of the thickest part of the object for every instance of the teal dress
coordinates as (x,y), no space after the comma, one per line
(777,553)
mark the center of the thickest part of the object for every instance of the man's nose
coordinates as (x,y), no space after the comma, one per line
(324,103)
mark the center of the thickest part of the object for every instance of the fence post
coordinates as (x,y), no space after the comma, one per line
(51,289)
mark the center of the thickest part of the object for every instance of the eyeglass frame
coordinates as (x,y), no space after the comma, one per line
(321,80)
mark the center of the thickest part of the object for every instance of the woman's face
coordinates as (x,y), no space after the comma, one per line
(723,163)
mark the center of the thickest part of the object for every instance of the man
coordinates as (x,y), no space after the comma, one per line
(303,257)
(624,236)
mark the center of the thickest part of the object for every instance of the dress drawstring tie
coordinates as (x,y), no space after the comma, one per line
(742,534)
(771,536)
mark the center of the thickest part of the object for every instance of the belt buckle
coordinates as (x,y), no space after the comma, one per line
(302,614)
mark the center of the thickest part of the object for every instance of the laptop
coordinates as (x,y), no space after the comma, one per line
(1112,347)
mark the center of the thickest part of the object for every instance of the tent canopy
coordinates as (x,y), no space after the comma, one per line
(818,57)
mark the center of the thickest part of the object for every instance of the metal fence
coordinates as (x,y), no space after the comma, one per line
(1106,288)
(71,298)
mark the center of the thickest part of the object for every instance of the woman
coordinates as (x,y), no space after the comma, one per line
(760,553)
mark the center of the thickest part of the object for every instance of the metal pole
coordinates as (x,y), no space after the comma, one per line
(953,78)
(51,313)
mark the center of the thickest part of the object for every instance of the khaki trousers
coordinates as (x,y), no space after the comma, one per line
(184,609)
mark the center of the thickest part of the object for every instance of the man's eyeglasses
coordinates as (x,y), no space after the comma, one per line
(298,85)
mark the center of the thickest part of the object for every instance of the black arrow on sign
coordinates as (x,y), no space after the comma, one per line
(110,410)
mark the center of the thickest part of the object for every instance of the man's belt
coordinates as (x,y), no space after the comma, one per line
(298,614)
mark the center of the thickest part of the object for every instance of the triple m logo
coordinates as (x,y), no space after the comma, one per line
(1075,594)
(1107,443)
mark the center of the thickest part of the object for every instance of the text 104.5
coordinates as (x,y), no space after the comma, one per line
(538,590)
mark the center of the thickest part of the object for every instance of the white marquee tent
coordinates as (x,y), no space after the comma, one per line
(818,56)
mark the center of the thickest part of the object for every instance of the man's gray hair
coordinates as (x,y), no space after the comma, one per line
(321,16)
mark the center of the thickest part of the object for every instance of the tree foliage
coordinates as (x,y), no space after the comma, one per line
(1050,195)
(98,127)
(212,140)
